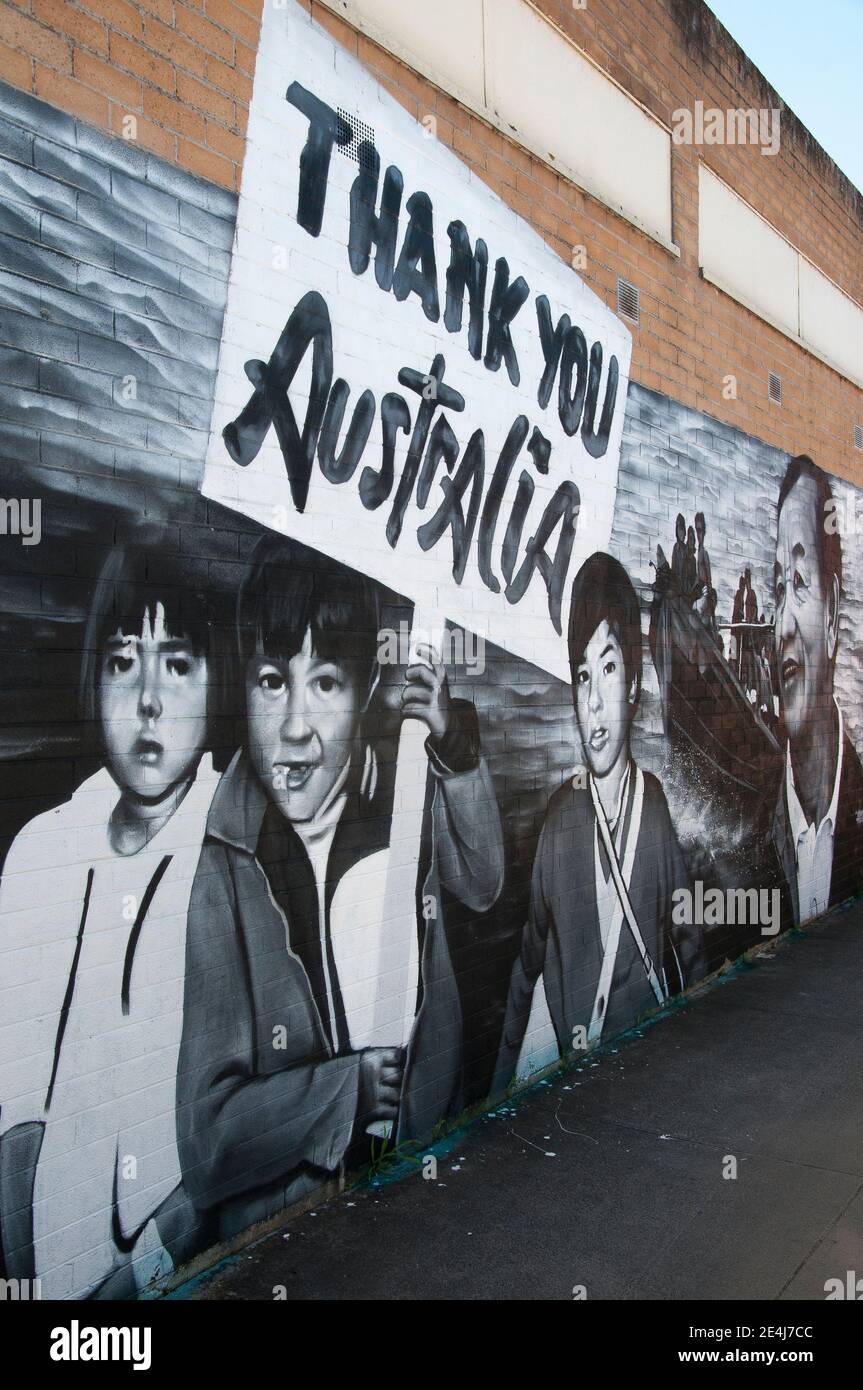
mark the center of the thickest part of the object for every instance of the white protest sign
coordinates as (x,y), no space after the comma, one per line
(411,381)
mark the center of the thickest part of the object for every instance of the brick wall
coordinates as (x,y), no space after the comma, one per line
(182,71)
(185,71)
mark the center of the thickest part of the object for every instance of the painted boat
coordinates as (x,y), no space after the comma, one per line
(705,706)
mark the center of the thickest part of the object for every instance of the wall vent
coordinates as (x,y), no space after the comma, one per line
(360,132)
(774,387)
(858,436)
(627,300)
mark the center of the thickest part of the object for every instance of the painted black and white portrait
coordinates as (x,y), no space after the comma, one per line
(397,698)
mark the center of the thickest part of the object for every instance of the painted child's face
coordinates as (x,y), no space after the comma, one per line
(302,717)
(153,703)
(602,701)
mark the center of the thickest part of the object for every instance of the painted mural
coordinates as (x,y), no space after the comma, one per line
(396,697)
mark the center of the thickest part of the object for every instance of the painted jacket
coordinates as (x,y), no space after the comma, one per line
(260,1126)
(562,939)
(68,952)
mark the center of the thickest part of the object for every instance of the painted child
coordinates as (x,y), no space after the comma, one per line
(93,911)
(277,1080)
(600,933)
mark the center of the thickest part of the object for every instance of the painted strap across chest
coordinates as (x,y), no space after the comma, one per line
(623,910)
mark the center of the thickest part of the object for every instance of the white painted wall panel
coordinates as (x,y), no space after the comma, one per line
(830,323)
(554,101)
(442,40)
(744,255)
(740,251)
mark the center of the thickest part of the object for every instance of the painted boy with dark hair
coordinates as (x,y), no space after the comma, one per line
(600,932)
(818,819)
(287,960)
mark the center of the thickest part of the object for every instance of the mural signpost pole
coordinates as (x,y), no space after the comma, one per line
(398,958)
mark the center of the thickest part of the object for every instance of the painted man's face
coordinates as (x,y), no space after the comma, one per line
(153,706)
(303,715)
(805,631)
(602,701)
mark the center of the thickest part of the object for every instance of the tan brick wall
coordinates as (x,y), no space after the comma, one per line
(184,69)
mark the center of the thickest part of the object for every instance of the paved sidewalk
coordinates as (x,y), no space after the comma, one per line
(611,1176)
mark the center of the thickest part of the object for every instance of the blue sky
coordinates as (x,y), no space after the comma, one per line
(811,51)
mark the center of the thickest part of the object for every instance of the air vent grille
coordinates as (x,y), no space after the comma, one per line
(858,436)
(627,301)
(774,387)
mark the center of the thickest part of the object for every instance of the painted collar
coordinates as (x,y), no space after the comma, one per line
(797,816)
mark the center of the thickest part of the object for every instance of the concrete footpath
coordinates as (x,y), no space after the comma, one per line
(610,1176)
